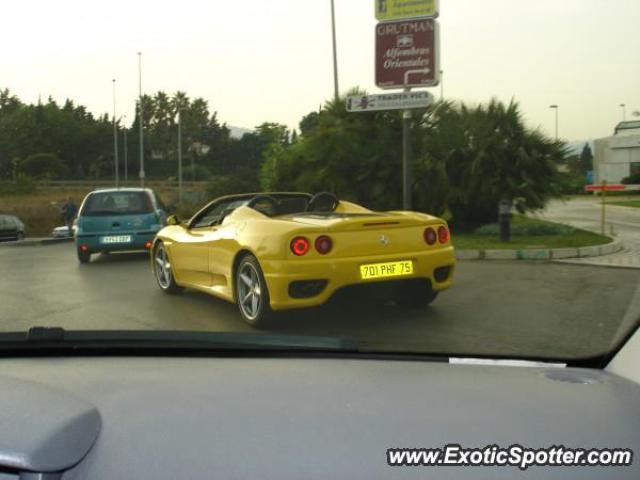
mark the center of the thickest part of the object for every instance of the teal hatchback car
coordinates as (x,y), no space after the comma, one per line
(118,219)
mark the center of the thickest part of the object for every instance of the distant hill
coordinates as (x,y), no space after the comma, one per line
(577,146)
(238,132)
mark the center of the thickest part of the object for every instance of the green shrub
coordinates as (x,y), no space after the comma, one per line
(231,184)
(201,173)
(527,229)
(632,179)
(571,183)
(43,166)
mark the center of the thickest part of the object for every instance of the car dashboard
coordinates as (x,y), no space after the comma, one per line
(280,418)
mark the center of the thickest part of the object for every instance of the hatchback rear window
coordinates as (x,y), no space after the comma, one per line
(117,203)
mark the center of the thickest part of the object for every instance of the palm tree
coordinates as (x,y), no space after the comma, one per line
(489,155)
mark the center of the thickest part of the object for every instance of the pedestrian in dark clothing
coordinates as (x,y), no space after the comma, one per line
(69,211)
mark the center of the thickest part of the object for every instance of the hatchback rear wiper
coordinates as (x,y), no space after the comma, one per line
(59,339)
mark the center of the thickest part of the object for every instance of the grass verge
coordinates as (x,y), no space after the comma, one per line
(567,237)
(628,203)
(40,210)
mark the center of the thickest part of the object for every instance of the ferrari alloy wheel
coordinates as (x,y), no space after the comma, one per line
(163,271)
(251,291)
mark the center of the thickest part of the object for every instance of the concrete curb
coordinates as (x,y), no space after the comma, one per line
(35,242)
(541,254)
(526,254)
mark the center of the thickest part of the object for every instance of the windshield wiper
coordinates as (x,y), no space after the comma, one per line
(60,340)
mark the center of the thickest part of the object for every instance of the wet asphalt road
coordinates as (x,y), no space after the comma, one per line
(506,308)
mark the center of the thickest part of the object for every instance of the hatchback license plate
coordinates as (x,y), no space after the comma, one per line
(116,239)
(387,269)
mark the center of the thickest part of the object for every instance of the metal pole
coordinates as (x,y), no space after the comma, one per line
(142,174)
(441,85)
(406,159)
(179,157)
(624,111)
(335,53)
(604,203)
(555,107)
(126,147)
(115,135)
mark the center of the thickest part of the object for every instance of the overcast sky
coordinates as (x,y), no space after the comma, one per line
(270,60)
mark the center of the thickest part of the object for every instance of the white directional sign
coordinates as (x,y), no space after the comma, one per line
(389,101)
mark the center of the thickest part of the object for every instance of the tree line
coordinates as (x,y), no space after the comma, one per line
(48,140)
(466,158)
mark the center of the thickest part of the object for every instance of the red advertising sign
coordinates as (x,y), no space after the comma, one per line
(407,54)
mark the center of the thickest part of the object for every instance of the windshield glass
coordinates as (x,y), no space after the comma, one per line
(454,178)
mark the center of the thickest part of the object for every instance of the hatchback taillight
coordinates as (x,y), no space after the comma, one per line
(430,236)
(443,234)
(324,244)
(299,246)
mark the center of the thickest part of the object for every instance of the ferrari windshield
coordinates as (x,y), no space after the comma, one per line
(454,178)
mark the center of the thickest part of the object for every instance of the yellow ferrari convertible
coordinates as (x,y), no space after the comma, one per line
(275,251)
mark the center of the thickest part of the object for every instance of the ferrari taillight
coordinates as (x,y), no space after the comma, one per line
(324,244)
(443,234)
(430,236)
(299,246)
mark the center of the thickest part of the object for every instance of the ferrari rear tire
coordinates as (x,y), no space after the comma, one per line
(416,295)
(252,295)
(84,256)
(163,270)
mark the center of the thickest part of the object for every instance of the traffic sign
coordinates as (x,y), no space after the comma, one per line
(605,187)
(407,54)
(389,101)
(613,187)
(387,10)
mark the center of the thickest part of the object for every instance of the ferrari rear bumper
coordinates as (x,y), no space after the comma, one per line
(343,272)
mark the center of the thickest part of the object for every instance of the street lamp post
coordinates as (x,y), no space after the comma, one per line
(555,107)
(336,90)
(623,106)
(179,157)
(142,174)
(115,135)
(126,148)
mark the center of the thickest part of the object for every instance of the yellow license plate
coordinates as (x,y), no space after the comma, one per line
(387,269)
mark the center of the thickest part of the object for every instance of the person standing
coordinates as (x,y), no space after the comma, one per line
(69,211)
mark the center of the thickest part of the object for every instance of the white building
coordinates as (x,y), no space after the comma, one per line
(618,156)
